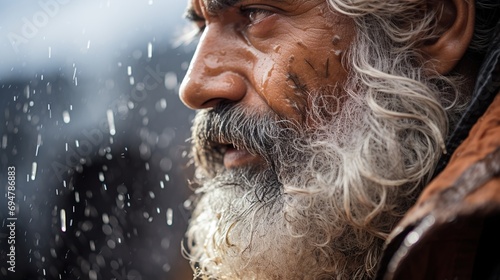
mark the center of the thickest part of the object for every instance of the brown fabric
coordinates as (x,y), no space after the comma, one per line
(483,139)
(440,235)
(447,253)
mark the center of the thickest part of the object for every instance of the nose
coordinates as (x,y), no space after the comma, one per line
(214,74)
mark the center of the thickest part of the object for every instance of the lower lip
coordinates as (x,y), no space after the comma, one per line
(234,158)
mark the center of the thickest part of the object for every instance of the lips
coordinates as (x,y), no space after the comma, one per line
(234,157)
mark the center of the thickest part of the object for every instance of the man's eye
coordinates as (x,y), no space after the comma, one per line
(255,14)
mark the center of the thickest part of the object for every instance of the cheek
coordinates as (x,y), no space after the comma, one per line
(301,62)
(277,93)
(287,78)
(276,86)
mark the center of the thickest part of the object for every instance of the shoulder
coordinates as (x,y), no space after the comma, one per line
(454,226)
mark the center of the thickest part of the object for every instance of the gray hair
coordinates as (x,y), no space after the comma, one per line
(355,175)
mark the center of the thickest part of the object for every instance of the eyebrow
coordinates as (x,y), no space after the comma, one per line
(213,7)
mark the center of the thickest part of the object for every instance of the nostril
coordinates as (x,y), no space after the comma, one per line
(199,90)
(211,103)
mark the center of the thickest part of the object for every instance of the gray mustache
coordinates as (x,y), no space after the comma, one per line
(228,124)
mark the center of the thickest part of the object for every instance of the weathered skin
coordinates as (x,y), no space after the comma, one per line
(266,59)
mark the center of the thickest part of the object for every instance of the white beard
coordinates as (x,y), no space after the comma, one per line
(320,209)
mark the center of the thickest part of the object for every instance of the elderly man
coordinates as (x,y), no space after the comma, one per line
(323,138)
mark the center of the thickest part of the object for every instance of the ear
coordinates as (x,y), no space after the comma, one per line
(456,25)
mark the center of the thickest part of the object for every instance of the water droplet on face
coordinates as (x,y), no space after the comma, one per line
(336,39)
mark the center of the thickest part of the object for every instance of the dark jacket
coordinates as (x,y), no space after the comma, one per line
(453,231)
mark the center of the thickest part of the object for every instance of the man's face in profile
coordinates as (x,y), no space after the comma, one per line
(287,155)
(259,68)
(265,56)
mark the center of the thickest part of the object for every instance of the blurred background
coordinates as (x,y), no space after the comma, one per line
(91,120)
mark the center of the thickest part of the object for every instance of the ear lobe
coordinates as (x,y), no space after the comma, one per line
(456,23)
